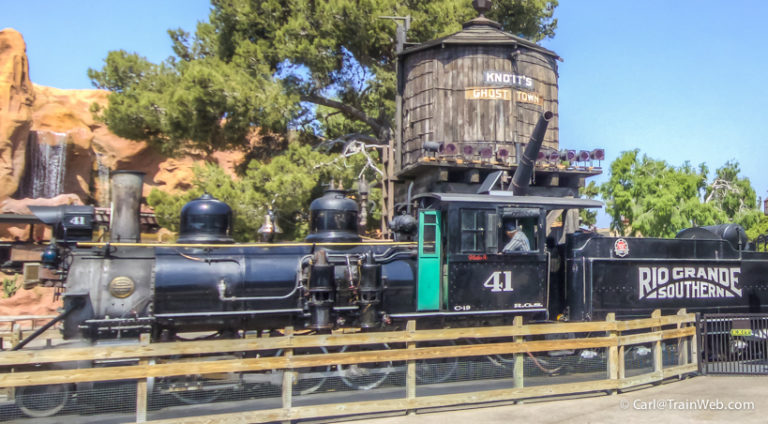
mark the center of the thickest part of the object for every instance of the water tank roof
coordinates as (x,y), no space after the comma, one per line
(481,31)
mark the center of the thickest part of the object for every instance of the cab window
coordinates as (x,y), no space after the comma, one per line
(472,230)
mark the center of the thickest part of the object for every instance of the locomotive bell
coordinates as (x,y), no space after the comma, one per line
(333,218)
(205,220)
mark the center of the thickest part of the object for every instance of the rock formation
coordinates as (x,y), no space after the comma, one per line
(59,125)
(16,99)
(50,143)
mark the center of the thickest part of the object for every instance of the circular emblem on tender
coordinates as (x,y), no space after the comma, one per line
(621,248)
(121,287)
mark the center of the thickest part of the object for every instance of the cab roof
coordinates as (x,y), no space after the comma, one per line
(507,198)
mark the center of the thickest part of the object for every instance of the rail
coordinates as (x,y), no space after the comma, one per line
(146,361)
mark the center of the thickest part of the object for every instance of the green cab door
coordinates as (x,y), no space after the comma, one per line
(428,293)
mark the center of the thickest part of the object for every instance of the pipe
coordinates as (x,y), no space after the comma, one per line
(76,304)
(408,205)
(522,177)
(126,200)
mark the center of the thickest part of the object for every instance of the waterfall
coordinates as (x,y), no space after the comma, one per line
(103,181)
(46,160)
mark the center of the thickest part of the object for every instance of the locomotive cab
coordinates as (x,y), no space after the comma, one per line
(465,266)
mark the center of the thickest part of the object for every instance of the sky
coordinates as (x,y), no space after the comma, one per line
(681,80)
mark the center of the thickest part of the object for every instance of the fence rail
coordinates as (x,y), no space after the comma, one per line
(142,361)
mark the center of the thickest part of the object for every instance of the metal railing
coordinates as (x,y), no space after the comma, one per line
(734,343)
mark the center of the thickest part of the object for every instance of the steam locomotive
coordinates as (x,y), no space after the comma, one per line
(455,271)
(447,266)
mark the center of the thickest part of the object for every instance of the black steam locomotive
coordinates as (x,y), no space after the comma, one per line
(450,265)
(456,269)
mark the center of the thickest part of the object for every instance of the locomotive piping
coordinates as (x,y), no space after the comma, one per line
(203,245)
(75,305)
(221,286)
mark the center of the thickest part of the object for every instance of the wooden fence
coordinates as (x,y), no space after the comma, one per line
(517,340)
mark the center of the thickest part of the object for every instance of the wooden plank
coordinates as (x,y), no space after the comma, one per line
(641,379)
(679,370)
(657,336)
(301,361)
(367,407)
(655,322)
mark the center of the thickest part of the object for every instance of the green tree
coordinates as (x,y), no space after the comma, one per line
(590,191)
(287,184)
(326,67)
(650,197)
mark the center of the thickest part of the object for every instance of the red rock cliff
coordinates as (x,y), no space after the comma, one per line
(64,117)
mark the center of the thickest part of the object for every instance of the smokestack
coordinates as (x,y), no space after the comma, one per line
(522,177)
(126,200)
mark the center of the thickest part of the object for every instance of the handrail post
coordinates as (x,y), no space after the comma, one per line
(658,363)
(410,375)
(613,351)
(519,369)
(289,376)
(141,386)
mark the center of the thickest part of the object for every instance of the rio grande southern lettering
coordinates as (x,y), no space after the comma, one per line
(688,282)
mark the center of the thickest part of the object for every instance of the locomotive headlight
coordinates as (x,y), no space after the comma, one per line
(121,287)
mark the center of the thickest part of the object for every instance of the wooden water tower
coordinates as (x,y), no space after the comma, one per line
(468,103)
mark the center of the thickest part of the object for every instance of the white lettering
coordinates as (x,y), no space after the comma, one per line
(688,282)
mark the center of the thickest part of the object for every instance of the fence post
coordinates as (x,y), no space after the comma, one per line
(682,344)
(289,376)
(141,386)
(519,370)
(15,334)
(410,375)
(613,351)
(658,363)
